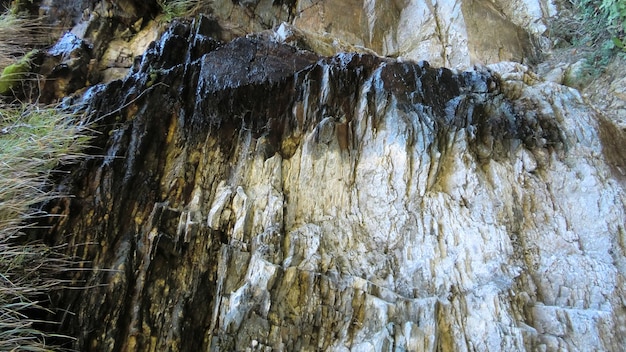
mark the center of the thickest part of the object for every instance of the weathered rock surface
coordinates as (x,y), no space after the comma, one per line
(250,195)
(452,33)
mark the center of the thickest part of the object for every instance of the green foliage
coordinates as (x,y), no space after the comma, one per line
(604,25)
(610,13)
(33,140)
(615,13)
(619,43)
(595,28)
(172,9)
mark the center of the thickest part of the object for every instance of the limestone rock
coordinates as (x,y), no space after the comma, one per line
(455,33)
(252,195)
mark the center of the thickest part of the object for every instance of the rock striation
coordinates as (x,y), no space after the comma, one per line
(254,196)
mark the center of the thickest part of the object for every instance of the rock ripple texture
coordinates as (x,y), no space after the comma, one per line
(251,196)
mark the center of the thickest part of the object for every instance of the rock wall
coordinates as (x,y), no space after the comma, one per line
(252,195)
(453,33)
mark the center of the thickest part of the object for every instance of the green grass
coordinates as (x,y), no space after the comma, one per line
(172,9)
(33,141)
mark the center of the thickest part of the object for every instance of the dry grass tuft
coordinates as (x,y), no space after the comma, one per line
(33,141)
(26,273)
(18,35)
(172,9)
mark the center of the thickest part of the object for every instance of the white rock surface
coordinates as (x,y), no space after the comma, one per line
(434,248)
(450,33)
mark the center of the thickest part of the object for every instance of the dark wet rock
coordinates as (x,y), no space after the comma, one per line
(94,41)
(67,68)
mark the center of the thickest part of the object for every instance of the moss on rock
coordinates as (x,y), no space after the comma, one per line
(15,73)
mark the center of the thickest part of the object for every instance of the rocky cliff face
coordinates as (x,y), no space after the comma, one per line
(455,34)
(253,194)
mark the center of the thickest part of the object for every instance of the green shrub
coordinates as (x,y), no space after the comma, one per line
(604,27)
(603,19)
